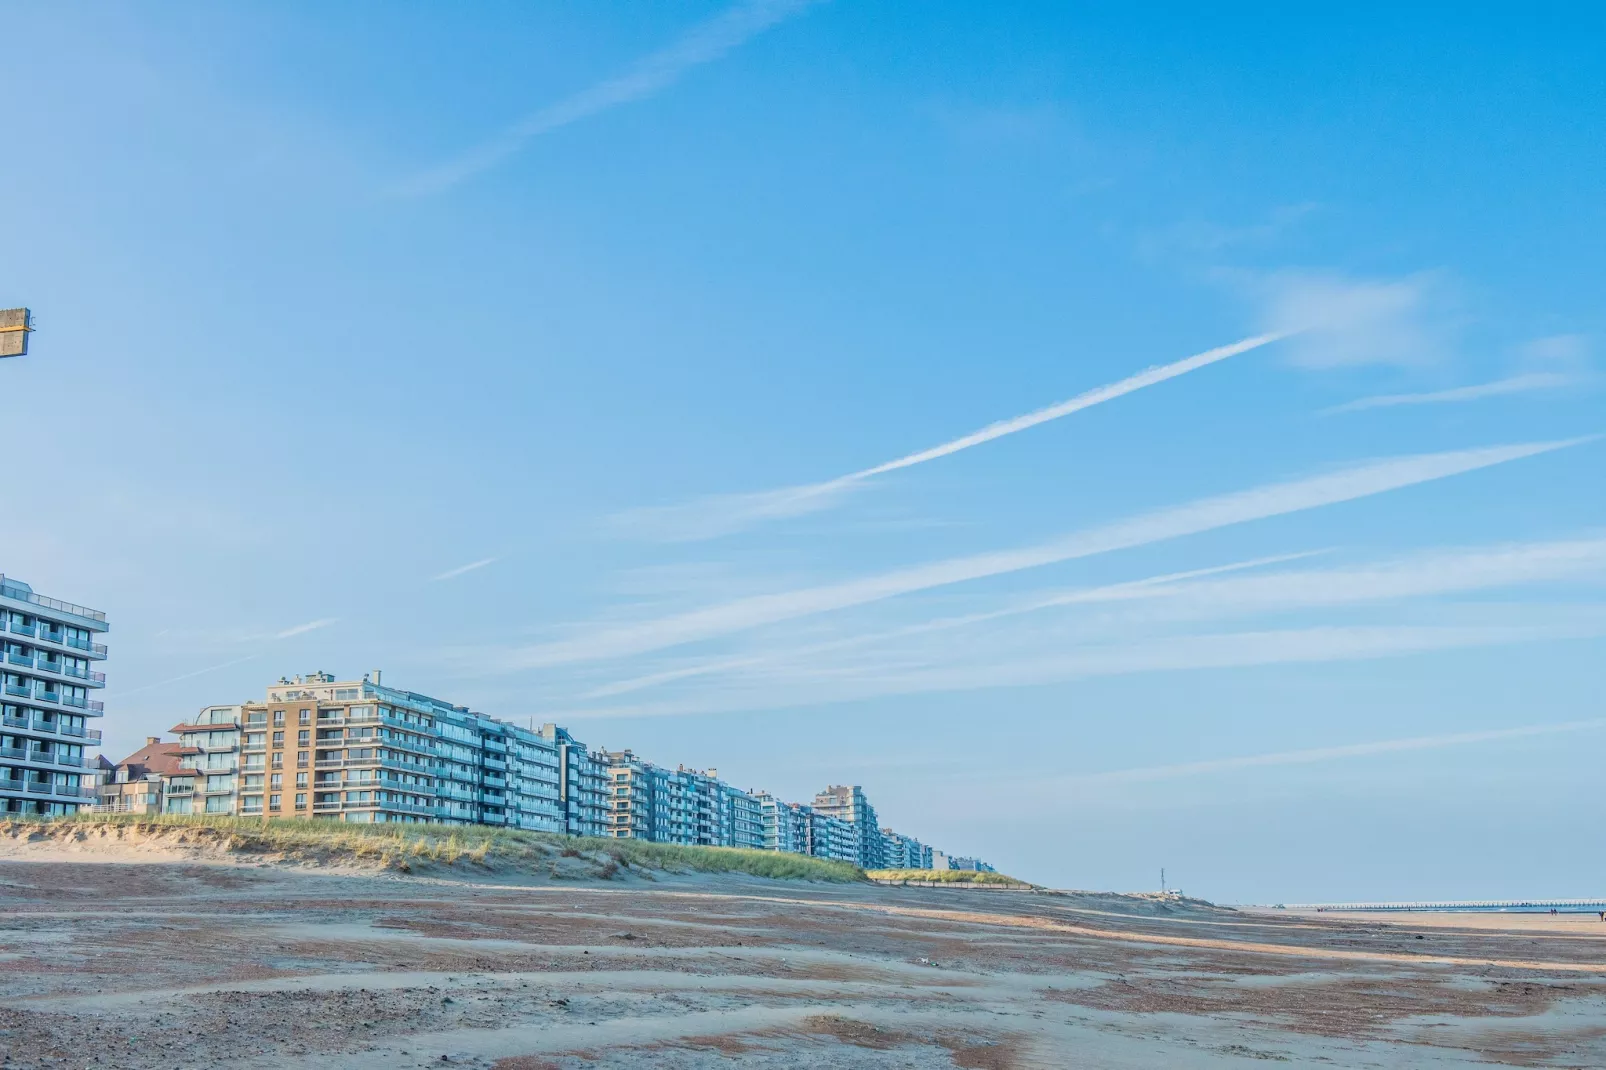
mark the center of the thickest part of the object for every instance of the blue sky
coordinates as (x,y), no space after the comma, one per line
(544,356)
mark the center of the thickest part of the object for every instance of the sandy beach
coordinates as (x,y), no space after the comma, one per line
(184,963)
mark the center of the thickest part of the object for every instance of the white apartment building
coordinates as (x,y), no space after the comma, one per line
(46,745)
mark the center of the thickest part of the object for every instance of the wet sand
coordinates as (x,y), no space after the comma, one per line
(189,964)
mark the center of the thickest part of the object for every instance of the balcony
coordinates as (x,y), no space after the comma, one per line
(20,690)
(14,658)
(15,753)
(14,720)
(22,629)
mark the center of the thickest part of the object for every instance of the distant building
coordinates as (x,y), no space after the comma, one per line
(46,765)
(849,804)
(903,852)
(209,776)
(135,784)
(685,806)
(784,826)
(359,751)
(582,784)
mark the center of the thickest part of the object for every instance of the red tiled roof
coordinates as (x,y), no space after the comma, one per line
(153,758)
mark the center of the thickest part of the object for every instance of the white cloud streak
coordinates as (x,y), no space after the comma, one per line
(1205,515)
(728,513)
(1095,594)
(1343,322)
(1516,384)
(188,675)
(453,573)
(702,44)
(1226,650)
(1441,572)
(1150,773)
(302,629)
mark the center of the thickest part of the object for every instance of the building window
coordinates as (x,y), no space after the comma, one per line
(273,802)
(305,717)
(301,802)
(276,781)
(301,758)
(301,780)
(303,737)
(278,739)
(278,759)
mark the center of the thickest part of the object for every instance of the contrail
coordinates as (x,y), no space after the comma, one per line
(1207,514)
(1096,396)
(188,675)
(702,44)
(1108,592)
(1517,384)
(301,629)
(453,573)
(1325,754)
(724,514)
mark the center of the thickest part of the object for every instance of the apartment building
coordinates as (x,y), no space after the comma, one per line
(744,817)
(689,806)
(582,784)
(849,804)
(135,784)
(903,852)
(360,751)
(46,745)
(783,826)
(209,756)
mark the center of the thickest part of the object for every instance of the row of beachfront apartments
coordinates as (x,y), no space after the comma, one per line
(362,751)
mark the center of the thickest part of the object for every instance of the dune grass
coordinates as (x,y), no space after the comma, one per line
(399,844)
(944,876)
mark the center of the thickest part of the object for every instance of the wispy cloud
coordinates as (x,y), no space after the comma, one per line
(302,629)
(188,675)
(1516,384)
(1109,592)
(704,43)
(453,573)
(1344,322)
(1201,593)
(1319,754)
(809,686)
(1207,514)
(728,513)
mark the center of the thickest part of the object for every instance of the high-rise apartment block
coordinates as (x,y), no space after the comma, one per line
(45,740)
(357,750)
(687,806)
(849,804)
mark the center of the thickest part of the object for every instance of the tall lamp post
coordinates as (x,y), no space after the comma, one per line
(15,326)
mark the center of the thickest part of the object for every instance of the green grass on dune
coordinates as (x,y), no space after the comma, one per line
(450,844)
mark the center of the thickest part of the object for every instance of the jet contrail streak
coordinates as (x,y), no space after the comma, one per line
(1206,514)
(1098,395)
(727,513)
